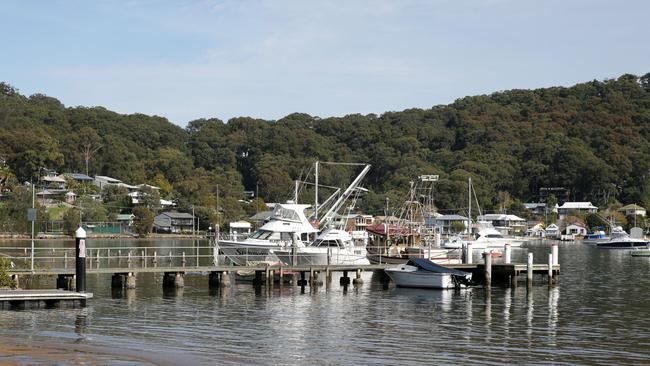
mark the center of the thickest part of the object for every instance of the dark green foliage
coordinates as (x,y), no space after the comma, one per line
(592,138)
(143,221)
(5,279)
(71,221)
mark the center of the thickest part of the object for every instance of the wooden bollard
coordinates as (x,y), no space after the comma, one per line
(554,251)
(358,280)
(345,280)
(487,256)
(550,268)
(311,276)
(468,257)
(508,254)
(529,270)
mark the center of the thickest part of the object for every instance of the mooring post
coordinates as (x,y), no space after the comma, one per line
(267,275)
(225,279)
(529,270)
(65,260)
(463,253)
(328,274)
(311,276)
(469,254)
(80,256)
(508,254)
(302,281)
(487,257)
(550,268)
(281,275)
(213,280)
(130,281)
(183,260)
(345,280)
(358,280)
(554,251)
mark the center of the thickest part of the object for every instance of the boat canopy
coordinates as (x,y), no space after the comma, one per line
(427,265)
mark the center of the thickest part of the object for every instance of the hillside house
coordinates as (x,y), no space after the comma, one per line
(632,210)
(173,222)
(504,223)
(571,208)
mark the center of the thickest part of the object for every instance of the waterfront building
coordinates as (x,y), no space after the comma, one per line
(569,208)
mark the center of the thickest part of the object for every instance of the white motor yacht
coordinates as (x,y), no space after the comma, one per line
(288,226)
(333,246)
(487,237)
(619,239)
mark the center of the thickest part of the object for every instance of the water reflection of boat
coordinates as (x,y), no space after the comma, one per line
(422,273)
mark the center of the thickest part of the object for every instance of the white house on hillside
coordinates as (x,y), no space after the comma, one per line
(506,224)
(632,210)
(578,207)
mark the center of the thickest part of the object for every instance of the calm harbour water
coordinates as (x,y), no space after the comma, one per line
(595,315)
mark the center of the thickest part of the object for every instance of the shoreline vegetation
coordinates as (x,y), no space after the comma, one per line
(584,143)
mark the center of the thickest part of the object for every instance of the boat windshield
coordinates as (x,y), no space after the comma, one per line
(494,236)
(282,213)
(271,235)
(327,243)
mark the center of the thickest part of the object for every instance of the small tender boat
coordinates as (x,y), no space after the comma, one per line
(422,273)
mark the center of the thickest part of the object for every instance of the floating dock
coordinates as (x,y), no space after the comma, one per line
(36,299)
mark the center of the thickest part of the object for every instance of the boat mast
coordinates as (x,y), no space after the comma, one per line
(469,197)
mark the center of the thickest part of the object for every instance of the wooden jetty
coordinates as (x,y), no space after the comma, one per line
(30,299)
(267,274)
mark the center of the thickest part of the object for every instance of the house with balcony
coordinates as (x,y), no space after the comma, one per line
(173,222)
(504,223)
(632,210)
(572,208)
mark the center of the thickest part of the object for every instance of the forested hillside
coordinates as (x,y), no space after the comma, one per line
(592,138)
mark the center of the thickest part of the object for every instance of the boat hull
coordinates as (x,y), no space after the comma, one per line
(625,244)
(245,254)
(420,279)
(321,257)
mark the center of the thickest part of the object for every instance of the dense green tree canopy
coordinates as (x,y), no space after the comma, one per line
(592,138)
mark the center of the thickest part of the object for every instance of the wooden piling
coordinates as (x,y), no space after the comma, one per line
(468,258)
(554,251)
(487,257)
(529,270)
(358,280)
(550,268)
(508,254)
(345,280)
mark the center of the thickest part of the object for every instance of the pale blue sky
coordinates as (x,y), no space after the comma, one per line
(267,58)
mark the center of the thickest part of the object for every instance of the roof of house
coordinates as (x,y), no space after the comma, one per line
(107,179)
(56,179)
(531,205)
(495,217)
(240,225)
(177,215)
(631,207)
(451,218)
(577,205)
(552,227)
(79,176)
